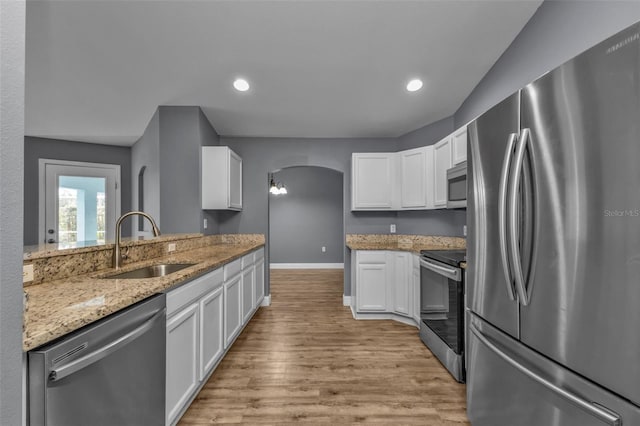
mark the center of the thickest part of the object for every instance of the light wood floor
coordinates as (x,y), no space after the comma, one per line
(305,359)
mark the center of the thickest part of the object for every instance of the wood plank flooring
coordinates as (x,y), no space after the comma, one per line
(305,359)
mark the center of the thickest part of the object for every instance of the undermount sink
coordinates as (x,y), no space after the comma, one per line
(153,271)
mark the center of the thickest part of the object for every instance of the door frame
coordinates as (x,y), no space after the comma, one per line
(43,162)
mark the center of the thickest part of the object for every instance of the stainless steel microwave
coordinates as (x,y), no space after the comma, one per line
(457,187)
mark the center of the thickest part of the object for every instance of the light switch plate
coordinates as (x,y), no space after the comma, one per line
(392,228)
(206,223)
(464,230)
(27,273)
(171,247)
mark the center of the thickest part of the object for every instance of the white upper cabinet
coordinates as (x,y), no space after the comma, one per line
(416,178)
(442,160)
(459,146)
(373,181)
(221,179)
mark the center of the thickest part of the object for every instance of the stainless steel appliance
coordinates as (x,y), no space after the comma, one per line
(554,247)
(457,186)
(108,373)
(442,307)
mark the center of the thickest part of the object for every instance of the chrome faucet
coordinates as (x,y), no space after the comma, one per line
(117,256)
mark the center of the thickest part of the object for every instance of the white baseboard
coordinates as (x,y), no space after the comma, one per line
(346,300)
(385,316)
(266,301)
(306,265)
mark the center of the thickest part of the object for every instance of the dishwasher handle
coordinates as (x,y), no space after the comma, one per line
(106,350)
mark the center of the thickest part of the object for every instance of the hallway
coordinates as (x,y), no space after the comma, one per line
(305,359)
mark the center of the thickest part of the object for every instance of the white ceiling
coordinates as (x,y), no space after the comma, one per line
(97,70)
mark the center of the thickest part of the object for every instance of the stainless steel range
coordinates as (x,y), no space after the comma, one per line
(442,307)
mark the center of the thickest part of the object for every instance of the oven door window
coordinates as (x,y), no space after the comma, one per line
(441,307)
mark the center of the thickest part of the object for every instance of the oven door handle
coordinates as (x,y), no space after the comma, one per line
(452,273)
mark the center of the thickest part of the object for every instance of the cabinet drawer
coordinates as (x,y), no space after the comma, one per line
(259,254)
(181,296)
(232,269)
(247,260)
(374,256)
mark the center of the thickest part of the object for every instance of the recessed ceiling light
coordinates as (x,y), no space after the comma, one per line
(241,85)
(414,85)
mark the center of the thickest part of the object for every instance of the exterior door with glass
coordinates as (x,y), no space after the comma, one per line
(79,202)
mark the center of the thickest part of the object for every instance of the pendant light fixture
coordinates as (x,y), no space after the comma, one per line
(276,188)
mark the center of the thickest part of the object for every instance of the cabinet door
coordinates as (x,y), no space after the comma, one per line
(211,330)
(442,156)
(401,288)
(413,178)
(232,308)
(235,180)
(259,282)
(182,359)
(459,146)
(247,293)
(372,276)
(372,181)
(415,272)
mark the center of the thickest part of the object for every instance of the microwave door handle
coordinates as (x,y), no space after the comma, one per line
(502,214)
(514,250)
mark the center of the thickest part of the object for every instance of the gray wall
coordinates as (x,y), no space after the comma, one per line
(426,135)
(36,148)
(432,222)
(261,156)
(557,32)
(308,217)
(170,150)
(12,57)
(146,153)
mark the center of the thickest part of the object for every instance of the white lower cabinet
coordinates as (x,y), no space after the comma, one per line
(385,283)
(248,300)
(204,317)
(372,275)
(211,330)
(401,285)
(259,278)
(415,284)
(232,308)
(182,360)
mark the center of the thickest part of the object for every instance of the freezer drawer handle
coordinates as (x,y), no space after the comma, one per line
(74,366)
(502,214)
(593,408)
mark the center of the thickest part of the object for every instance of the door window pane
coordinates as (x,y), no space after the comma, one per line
(81,209)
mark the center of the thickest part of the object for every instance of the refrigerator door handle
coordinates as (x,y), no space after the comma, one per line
(502,214)
(106,350)
(514,250)
(604,414)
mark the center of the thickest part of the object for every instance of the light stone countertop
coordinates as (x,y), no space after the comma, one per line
(412,243)
(58,307)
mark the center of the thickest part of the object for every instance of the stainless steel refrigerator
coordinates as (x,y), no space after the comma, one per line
(553,293)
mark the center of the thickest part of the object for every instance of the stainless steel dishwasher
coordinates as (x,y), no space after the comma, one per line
(108,373)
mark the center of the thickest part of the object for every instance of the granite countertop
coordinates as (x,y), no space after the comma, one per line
(412,243)
(58,307)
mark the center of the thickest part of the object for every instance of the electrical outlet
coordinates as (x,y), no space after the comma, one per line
(392,228)
(206,223)
(27,273)
(464,230)
(324,249)
(171,247)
